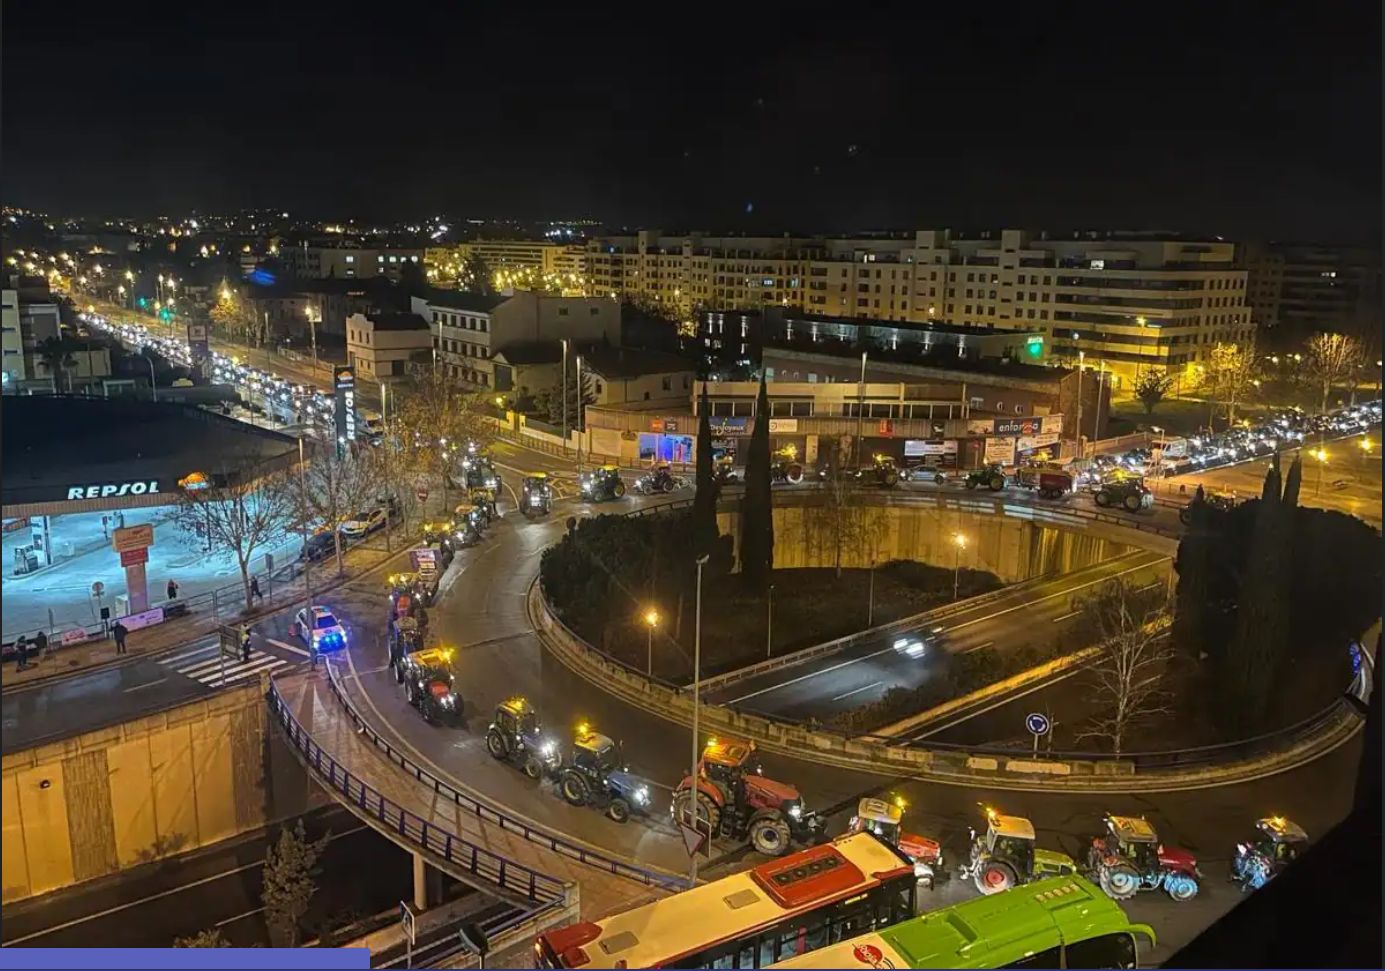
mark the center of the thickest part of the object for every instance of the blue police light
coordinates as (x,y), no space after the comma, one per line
(261,277)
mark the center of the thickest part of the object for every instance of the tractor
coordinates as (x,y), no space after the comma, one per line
(724,469)
(882,471)
(516,736)
(478,473)
(1005,855)
(883,819)
(405,638)
(658,479)
(536,495)
(595,776)
(602,484)
(992,477)
(784,467)
(1281,842)
(1129,858)
(1221,501)
(429,683)
(735,800)
(1049,481)
(1127,492)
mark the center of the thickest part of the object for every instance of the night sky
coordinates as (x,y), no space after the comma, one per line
(1239,119)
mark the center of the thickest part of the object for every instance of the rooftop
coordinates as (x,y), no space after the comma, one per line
(921,363)
(463,300)
(531,352)
(397,321)
(614,363)
(936,327)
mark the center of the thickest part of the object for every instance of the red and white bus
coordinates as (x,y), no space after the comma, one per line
(751,919)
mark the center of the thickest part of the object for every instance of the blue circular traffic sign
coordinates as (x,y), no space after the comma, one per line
(1036,723)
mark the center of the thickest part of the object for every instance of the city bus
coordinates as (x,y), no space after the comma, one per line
(751,919)
(1059,922)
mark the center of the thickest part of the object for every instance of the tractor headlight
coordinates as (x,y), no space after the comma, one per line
(547,749)
(449,700)
(795,811)
(642,796)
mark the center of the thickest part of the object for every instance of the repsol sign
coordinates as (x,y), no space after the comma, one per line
(109,489)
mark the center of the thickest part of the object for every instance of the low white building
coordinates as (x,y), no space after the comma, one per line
(383,346)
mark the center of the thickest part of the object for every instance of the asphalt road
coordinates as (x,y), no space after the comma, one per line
(482,613)
(220,887)
(1037,613)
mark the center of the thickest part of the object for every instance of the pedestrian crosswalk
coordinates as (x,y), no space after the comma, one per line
(205,664)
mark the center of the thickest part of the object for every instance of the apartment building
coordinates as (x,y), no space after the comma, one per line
(385,346)
(346,262)
(563,264)
(12,346)
(1295,290)
(470,329)
(1119,301)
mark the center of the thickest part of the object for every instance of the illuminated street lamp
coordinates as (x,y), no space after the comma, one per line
(651,621)
(959,542)
(1320,454)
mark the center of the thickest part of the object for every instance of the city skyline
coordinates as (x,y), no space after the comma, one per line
(896,124)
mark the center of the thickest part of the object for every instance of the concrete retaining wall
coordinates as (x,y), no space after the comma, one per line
(1013,549)
(155,787)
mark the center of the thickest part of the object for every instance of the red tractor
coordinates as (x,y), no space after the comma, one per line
(736,801)
(884,820)
(1129,858)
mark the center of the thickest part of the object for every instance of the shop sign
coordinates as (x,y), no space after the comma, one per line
(1000,450)
(980,426)
(147,618)
(195,482)
(916,447)
(132,537)
(108,489)
(134,557)
(783,426)
(886,427)
(1027,442)
(1018,426)
(344,385)
(728,426)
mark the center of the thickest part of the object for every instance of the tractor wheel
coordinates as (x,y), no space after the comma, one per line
(1185,516)
(1102,499)
(666,486)
(1120,881)
(410,692)
(618,810)
(971,483)
(890,479)
(770,835)
(496,744)
(993,876)
(619,490)
(1180,887)
(398,670)
(708,812)
(533,768)
(575,788)
(997,483)
(794,474)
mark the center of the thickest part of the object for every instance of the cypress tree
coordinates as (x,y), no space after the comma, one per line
(757,513)
(1192,599)
(704,512)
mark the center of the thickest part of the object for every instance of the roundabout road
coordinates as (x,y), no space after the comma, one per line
(482,613)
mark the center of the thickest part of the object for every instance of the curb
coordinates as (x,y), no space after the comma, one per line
(949,767)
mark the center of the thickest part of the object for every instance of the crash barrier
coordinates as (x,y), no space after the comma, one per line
(494,869)
(488,814)
(912,622)
(515,926)
(1121,443)
(969,765)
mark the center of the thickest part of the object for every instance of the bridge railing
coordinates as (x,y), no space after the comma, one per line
(493,868)
(488,814)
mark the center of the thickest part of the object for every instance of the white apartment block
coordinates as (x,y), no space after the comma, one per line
(566,262)
(1125,302)
(13,344)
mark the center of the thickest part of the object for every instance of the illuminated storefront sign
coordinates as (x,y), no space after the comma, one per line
(106,490)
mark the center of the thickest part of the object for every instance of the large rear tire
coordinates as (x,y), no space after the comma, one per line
(708,813)
(1185,516)
(770,835)
(496,745)
(890,480)
(410,693)
(1102,499)
(997,483)
(1120,881)
(1131,503)
(575,788)
(619,490)
(995,876)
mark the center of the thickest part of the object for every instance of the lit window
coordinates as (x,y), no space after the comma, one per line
(351,259)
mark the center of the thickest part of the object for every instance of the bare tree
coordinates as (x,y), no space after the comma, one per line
(1129,628)
(339,484)
(1231,369)
(843,524)
(240,513)
(434,420)
(1333,359)
(1151,387)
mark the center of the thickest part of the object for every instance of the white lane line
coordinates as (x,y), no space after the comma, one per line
(1149,586)
(968,716)
(946,630)
(1066,616)
(118,908)
(289,647)
(232,920)
(857,691)
(979,647)
(141,687)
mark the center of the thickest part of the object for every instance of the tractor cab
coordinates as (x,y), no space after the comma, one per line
(1135,839)
(517,736)
(595,753)
(428,682)
(405,638)
(729,760)
(1010,838)
(517,718)
(884,819)
(1283,841)
(534,482)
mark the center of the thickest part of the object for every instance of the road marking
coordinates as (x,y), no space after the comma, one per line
(979,647)
(141,687)
(1149,586)
(118,908)
(1066,591)
(232,920)
(857,691)
(995,704)
(805,677)
(1066,616)
(289,647)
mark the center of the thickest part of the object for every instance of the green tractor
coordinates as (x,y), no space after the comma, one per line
(429,684)
(1005,855)
(992,477)
(1125,492)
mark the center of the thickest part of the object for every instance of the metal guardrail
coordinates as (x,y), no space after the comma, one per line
(488,814)
(491,867)
(444,943)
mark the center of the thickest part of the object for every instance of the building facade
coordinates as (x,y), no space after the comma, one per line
(1129,301)
(12,347)
(1296,290)
(345,262)
(387,346)
(559,265)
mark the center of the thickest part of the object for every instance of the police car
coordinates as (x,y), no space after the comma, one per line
(324,631)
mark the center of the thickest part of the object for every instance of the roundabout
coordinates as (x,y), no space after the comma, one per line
(486,612)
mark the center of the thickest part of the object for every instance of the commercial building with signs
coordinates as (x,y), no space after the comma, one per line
(1128,301)
(952,417)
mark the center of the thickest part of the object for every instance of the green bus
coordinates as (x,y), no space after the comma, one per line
(1059,922)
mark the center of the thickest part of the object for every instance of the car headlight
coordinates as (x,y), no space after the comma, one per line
(795,811)
(642,795)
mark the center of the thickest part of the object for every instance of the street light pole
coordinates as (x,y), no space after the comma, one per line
(565,438)
(769,622)
(1081,356)
(870,598)
(651,620)
(959,541)
(860,407)
(303,530)
(153,385)
(579,413)
(697,700)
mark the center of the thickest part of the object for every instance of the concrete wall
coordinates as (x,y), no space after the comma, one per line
(151,788)
(1011,548)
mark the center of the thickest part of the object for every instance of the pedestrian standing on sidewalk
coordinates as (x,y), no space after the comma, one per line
(41,647)
(21,647)
(245,646)
(118,632)
(255,589)
(172,589)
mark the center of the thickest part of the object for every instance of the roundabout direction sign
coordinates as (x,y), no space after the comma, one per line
(1038,726)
